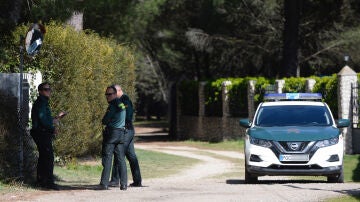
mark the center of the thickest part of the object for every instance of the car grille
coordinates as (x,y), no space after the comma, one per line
(293,146)
(284,147)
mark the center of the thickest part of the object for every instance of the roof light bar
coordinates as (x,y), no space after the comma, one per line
(293,96)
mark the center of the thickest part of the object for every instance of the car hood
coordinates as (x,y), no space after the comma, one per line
(292,133)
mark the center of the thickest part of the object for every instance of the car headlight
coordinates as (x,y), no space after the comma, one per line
(260,142)
(328,142)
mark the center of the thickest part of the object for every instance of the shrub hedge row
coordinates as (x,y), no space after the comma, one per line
(80,65)
(238,100)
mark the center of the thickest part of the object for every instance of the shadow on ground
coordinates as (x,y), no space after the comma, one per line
(296,184)
(241,181)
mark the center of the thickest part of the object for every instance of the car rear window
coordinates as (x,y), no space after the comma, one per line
(293,115)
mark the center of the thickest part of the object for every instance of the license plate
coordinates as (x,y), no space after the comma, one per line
(294,157)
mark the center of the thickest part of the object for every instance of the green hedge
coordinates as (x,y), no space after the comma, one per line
(238,99)
(80,65)
(238,103)
(327,86)
(213,98)
(294,85)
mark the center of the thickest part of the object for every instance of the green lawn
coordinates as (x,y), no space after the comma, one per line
(236,145)
(352,168)
(152,165)
(345,199)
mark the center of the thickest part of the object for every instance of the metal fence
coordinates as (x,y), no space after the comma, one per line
(355,118)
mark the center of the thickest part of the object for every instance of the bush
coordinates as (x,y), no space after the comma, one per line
(295,85)
(213,98)
(79,66)
(327,86)
(238,98)
(238,94)
(238,104)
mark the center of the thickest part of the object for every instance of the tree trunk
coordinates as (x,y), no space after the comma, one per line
(291,35)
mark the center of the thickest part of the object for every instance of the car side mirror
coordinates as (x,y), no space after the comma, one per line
(245,123)
(343,123)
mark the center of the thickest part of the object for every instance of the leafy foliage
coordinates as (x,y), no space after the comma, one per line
(238,93)
(79,66)
(17,12)
(327,86)
(213,98)
(238,100)
(294,85)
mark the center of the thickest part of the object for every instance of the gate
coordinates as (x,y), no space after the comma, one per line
(355,118)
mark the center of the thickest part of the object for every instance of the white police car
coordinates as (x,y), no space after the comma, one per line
(294,134)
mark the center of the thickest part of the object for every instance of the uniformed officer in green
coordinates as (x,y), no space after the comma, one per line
(113,139)
(43,131)
(129,143)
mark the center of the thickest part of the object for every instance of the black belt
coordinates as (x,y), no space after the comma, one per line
(123,128)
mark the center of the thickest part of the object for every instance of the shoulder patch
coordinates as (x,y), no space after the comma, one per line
(121,105)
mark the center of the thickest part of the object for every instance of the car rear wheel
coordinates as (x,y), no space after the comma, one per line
(339,178)
(250,179)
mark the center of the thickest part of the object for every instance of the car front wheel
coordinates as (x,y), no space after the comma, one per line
(339,178)
(250,179)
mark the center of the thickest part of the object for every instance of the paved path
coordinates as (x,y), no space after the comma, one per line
(199,184)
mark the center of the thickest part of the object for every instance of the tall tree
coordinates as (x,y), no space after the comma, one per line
(290,65)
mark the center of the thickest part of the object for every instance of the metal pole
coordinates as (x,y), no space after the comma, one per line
(21,156)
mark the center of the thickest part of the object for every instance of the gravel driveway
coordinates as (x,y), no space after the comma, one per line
(200,184)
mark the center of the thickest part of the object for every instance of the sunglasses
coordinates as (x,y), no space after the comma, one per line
(46,89)
(108,94)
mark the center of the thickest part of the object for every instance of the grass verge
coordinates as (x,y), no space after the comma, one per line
(352,168)
(227,145)
(152,165)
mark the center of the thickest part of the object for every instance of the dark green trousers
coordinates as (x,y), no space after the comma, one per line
(113,145)
(132,158)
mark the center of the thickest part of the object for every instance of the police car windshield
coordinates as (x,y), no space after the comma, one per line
(293,115)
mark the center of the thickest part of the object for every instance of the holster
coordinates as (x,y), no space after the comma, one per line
(129,126)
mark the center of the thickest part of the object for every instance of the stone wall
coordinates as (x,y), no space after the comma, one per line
(346,77)
(213,129)
(76,20)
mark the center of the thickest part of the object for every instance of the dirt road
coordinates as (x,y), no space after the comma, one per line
(204,182)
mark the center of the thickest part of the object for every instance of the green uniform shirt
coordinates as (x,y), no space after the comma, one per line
(129,108)
(41,115)
(115,115)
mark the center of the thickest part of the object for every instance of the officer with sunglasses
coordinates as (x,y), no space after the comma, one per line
(113,139)
(129,143)
(43,132)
